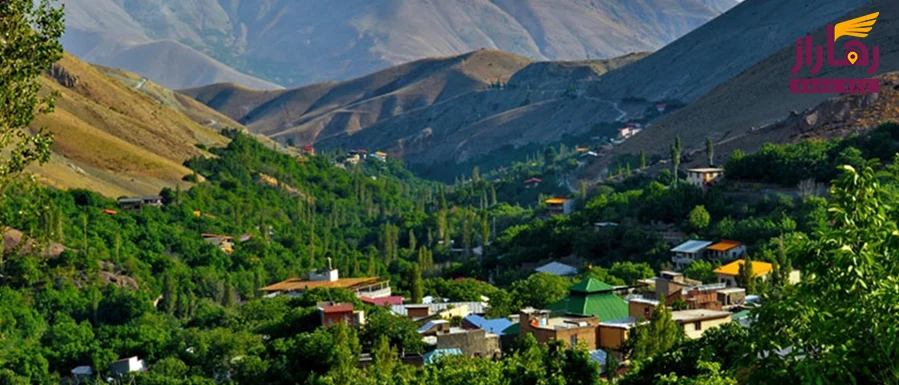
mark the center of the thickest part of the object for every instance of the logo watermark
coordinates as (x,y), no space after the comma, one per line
(854,53)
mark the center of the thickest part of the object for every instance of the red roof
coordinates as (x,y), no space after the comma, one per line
(392,300)
(362,151)
(339,308)
(308,147)
(661,105)
(110,212)
(532,180)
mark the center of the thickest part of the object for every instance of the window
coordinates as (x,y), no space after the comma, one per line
(697,325)
(646,313)
(574,340)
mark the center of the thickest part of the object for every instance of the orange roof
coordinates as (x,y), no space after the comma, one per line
(296,284)
(556,201)
(724,245)
(758,268)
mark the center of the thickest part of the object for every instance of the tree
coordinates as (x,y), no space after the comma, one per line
(169,301)
(29,44)
(836,318)
(661,334)
(702,271)
(484,230)
(699,218)
(710,151)
(417,288)
(539,290)
(476,174)
(746,277)
(631,272)
(675,157)
(642,159)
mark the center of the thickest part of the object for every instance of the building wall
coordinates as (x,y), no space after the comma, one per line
(640,310)
(586,334)
(471,342)
(347,318)
(611,337)
(692,332)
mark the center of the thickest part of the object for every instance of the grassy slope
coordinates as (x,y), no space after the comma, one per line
(115,139)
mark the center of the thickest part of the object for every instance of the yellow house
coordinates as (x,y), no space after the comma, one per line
(728,273)
(696,322)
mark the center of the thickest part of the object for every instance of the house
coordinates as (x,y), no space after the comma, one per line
(333,313)
(660,107)
(731,297)
(496,326)
(137,204)
(434,327)
(383,301)
(556,268)
(559,206)
(703,177)
(444,310)
(309,149)
(380,155)
(110,212)
(371,287)
(696,322)
(127,365)
(533,182)
(725,251)
(472,343)
(432,356)
(670,284)
(352,158)
(728,273)
(571,330)
(223,242)
(612,334)
(591,298)
(701,297)
(581,149)
(687,252)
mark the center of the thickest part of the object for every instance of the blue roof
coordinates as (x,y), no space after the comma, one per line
(432,356)
(599,357)
(495,326)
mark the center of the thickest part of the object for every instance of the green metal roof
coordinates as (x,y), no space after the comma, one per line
(590,286)
(604,306)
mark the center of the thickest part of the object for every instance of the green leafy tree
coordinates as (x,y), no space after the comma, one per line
(710,151)
(539,290)
(699,218)
(417,287)
(631,272)
(746,277)
(676,150)
(660,335)
(702,271)
(642,159)
(839,316)
(29,44)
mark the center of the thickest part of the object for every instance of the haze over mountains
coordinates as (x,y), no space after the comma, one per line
(189,43)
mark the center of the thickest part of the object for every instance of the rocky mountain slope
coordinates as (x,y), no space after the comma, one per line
(118,134)
(760,97)
(431,111)
(690,67)
(300,42)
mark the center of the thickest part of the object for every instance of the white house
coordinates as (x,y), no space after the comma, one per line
(726,251)
(127,365)
(702,177)
(687,252)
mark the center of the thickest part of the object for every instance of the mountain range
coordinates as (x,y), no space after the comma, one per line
(189,43)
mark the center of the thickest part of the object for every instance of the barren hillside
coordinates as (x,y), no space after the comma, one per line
(116,139)
(301,42)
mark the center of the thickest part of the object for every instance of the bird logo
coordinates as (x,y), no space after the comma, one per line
(858,27)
